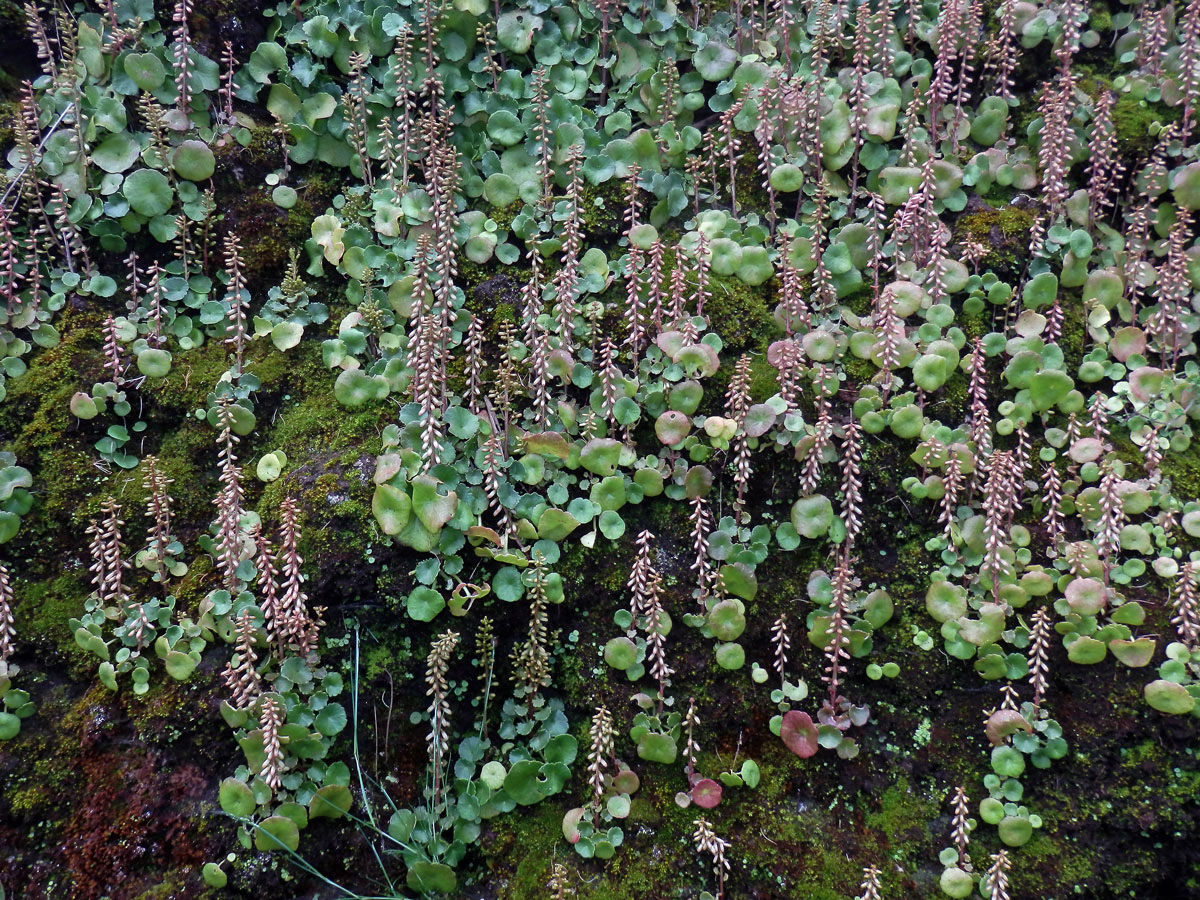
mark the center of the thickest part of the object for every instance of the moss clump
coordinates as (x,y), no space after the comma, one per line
(1005,232)
(860,371)
(1100,19)
(43,609)
(1133,119)
(739,314)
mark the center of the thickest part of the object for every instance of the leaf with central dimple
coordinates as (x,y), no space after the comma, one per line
(277,833)
(433,509)
(146,70)
(154,363)
(620,653)
(392,508)
(148,192)
(759,419)
(600,456)
(179,665)
(1169,697)
(236,798)
(515,30)
(714,61)
(727,620)
(1048,388)
(332,801)
(117,152)
(738,579)
(556,524)
(812,516)
(706,793)
(1086,596)
(505,128)
(193,160)
(799,733)
(660,748)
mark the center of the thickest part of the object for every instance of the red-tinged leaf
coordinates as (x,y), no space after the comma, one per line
(706,793)
(1004,722)
(799,733)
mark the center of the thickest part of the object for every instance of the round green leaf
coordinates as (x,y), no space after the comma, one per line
(117,152)
(660,748)
(236,798)
(505,128)
(726,620)
(145,70)
(514,30)
(214,876)
(277,833)
(507,584)
(1169,697)
(799,733)
(956,883)
(148,192)
(812,516)
(500,190)
(392,508)
(1015,830)
(620,653)
(193,160)
(715,61)
(154,363)
(284,196)
(731,656)
(424,604)
(331,719)
(1007,762)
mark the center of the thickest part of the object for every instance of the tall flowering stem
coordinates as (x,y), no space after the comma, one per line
(737,402)
(531,658)
(600,750)
(228,501)
(8,627)
(237,297)
(158,508)
(851,484)
(182,51)
(706,576)
(240,675)
(1185,604)
(1039,653)
(706,841)
(271,714)
(297,626)
(960,829)
(437,665)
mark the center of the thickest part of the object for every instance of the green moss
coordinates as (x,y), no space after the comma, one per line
(740,314)
(860,371)
(1183,469)
(43,609)
(602,207)
(1133,119)
(1100,19)
(1005,232)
